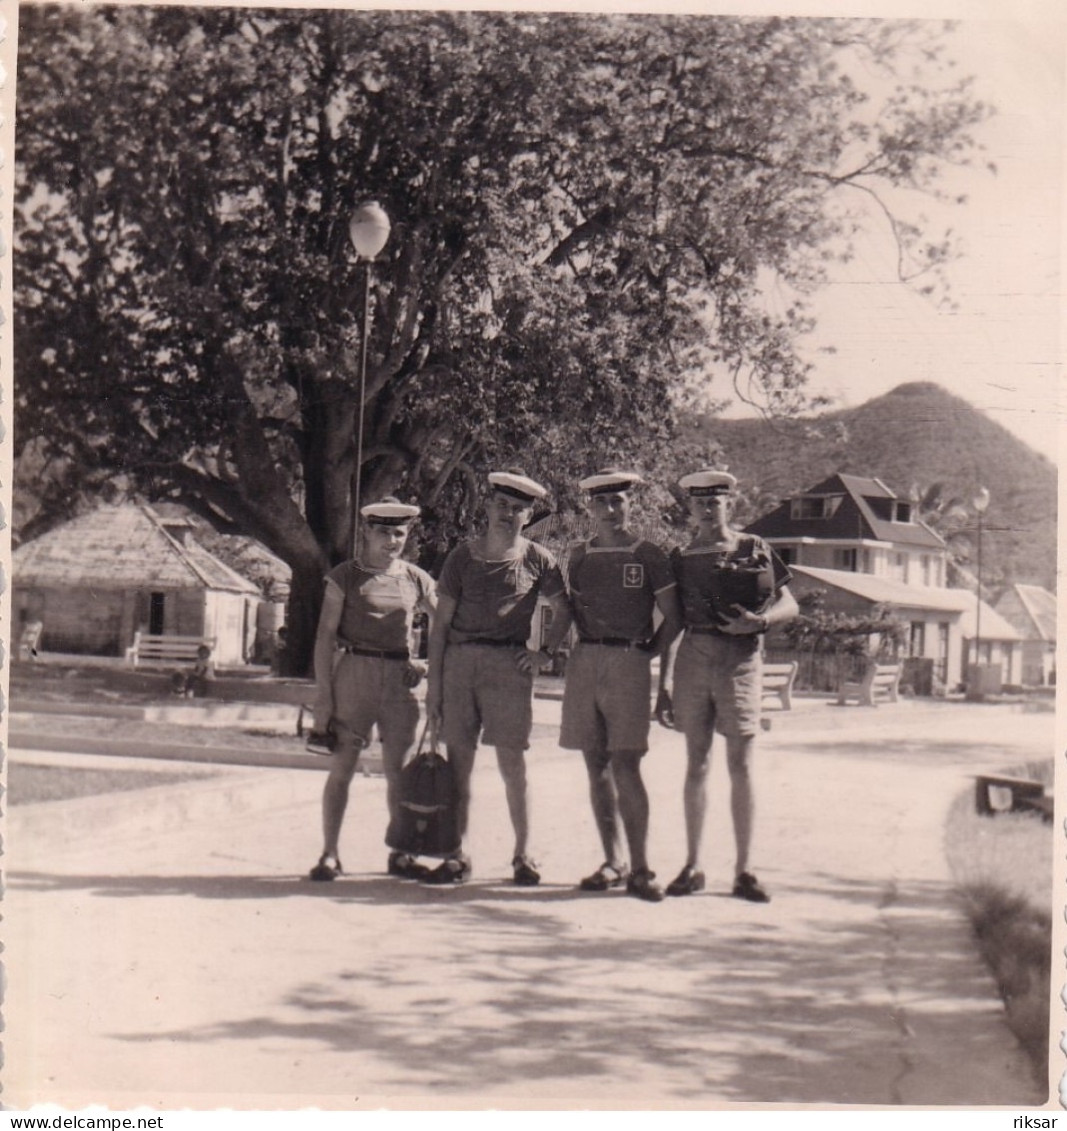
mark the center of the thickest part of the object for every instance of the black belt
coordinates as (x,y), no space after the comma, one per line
(496,643)
(616,642)
(377,653)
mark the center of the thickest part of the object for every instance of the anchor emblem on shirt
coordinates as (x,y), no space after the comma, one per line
(633,576)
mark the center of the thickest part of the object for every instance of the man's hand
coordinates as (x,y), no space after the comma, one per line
(530,660)
(434,700)
(664,710)
(742,623)
(414,672)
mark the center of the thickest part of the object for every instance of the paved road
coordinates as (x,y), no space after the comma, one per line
(163,949)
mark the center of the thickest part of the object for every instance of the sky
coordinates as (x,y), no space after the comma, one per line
(1000,349)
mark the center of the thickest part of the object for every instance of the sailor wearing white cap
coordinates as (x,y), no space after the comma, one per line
(481,671)
(365,674)
(615,582)
(732,588)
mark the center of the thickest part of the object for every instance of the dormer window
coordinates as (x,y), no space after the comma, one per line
(901,511)
(814,506)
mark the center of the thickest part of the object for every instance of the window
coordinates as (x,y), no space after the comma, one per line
(901,511)
(814,506)
(917,639)
(941,660)
(845,559)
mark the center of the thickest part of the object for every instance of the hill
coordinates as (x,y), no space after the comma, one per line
(914,436)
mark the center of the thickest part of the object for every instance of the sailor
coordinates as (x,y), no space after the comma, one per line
(732,588)
(366,672)
(616,581)
(481,670)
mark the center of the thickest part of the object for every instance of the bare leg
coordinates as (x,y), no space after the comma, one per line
(512,764)
(633,804)
(335,792)
(742,804)
(604,799)
(695,790)
(462,761)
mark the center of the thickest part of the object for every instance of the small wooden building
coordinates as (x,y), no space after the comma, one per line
(1032,610)
(95,581)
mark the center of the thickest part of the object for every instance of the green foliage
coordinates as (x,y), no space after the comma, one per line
(816,630)
(585,211)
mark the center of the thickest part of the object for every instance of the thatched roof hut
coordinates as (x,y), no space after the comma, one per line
(96,580)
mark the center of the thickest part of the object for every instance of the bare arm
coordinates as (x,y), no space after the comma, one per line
(435,653)
(670,607)
(333,602)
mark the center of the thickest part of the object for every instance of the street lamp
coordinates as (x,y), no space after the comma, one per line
(980,502)
(368,229)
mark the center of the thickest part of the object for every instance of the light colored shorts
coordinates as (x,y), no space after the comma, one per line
(368,690)
(485,695)
(606,699)
(717,683)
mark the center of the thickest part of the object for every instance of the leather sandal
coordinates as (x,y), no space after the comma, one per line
(406,867)
(746,886)
(454,870)
(328,868)
(525,871)
(642,885)
(605,877)
(688,881)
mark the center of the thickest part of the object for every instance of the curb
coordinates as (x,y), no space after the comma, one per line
(370,763)
(142,812)
(184,714)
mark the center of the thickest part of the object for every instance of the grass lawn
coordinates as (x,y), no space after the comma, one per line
(1003,866)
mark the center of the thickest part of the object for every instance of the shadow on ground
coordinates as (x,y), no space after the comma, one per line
(553,988)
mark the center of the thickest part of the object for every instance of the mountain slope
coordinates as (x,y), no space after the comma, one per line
(916,435)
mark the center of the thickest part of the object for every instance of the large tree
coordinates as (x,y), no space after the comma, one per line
(585,209)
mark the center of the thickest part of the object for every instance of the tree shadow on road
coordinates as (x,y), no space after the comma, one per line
(820,998)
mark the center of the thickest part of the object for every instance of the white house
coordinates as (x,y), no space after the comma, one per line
(853,538)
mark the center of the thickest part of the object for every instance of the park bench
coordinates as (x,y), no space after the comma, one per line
(881,681)
(29,640)
(778,682)
(996,793)
(150,648)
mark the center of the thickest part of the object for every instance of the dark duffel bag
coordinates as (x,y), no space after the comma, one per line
(426,824)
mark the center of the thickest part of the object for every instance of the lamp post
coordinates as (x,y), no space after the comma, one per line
(368,230)
(980,503)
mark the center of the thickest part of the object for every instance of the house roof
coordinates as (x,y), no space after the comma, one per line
(119,548)
(864,513)
(887,591)
(1039,607)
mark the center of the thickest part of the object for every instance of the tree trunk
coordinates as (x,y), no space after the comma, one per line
(302,621)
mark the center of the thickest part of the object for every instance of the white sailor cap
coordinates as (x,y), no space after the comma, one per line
(707,481)
(609,481)
(517,486)
(389,513)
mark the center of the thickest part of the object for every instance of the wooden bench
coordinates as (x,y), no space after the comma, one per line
(30,638)
(882,681)
(995,793)
(164,649)
(778,682)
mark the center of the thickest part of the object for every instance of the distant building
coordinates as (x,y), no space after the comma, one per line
(95,581)
(853,538)
(1031,610)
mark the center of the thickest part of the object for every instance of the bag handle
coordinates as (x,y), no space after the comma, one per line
(422,748)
